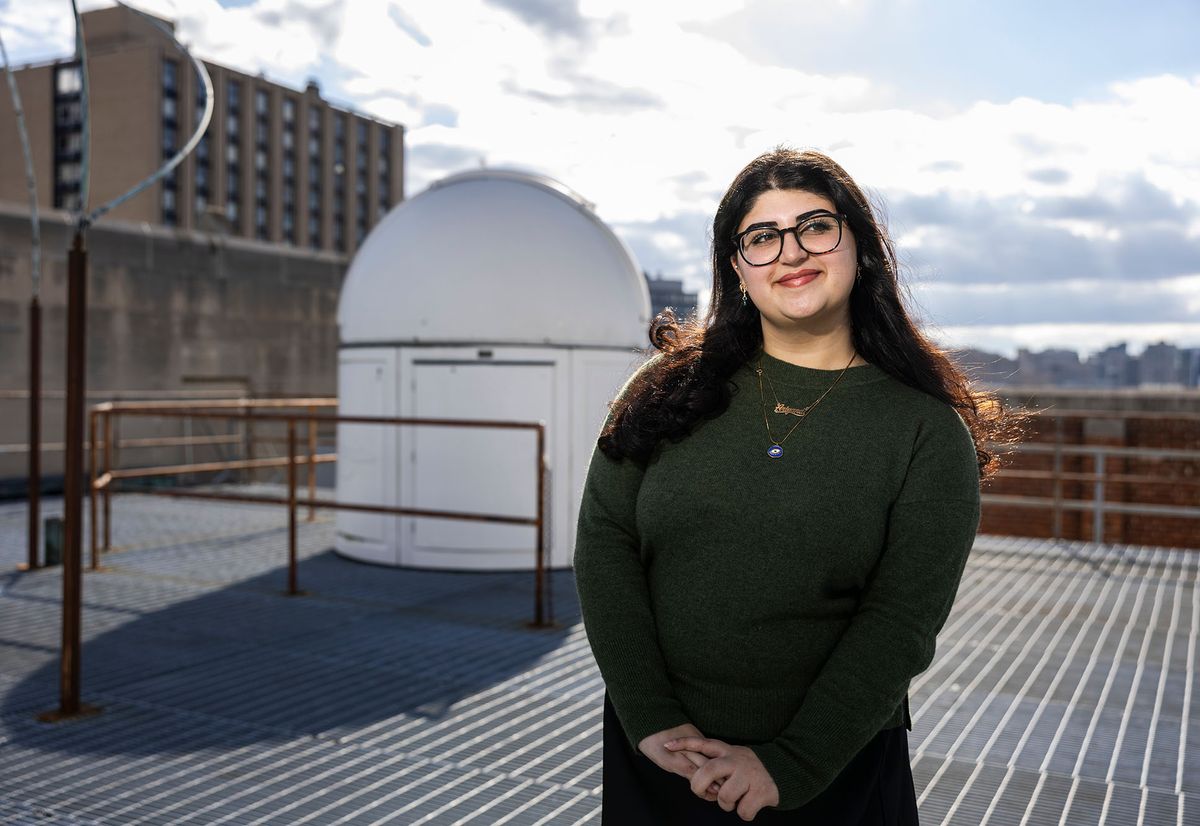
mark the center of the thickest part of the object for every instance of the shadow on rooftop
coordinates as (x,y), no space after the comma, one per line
(370,650)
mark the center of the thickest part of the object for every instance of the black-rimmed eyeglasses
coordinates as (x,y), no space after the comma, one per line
(816,234)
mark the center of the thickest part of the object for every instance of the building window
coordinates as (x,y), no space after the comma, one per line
(385,170)
(231,212)
(69,143)
(260,160)
(68,172)
(262,102)
(69,114)
(314,178)
(260,223)
(68,80)
(169,216)
(362,156)
(169,109)
(231,152)
(233,96)
(288,217)
(168,140)
(339,182)
(68,136)
(232,124)
(201,156)
(200,101)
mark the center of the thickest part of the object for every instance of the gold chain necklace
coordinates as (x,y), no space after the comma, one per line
(775,451)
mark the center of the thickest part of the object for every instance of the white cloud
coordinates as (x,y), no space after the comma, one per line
(649,114)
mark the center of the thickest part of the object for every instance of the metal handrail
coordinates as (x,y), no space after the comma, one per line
(1098,504)
(104,476)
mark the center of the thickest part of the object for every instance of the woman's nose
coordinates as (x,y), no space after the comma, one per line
(792,251)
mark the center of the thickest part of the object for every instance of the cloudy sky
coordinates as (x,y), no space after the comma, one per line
(1038,162)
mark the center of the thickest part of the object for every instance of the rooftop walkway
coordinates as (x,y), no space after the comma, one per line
(1063,691)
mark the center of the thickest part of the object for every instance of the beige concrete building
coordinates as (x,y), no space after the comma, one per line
(275,164)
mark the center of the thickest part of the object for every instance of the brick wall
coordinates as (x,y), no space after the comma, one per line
(1159,419)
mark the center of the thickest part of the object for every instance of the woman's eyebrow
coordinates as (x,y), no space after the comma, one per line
(799,218)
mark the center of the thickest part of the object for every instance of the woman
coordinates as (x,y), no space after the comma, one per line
(775,522)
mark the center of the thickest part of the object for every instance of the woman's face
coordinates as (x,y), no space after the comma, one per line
(799,290)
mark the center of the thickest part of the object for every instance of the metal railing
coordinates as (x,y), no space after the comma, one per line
(104,476)
(1100,477)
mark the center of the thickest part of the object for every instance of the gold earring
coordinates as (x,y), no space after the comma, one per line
(742,287)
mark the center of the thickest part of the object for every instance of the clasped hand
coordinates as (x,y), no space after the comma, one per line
(731,776)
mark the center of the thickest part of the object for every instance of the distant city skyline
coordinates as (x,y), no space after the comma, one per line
(1042,191)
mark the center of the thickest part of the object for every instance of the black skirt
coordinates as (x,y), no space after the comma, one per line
(875,789)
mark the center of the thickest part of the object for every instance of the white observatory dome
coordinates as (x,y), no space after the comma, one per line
(494,256)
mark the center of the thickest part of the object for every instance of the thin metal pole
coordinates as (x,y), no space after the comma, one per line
(538,616)
(73,475)
(35,431)
(1098,499)
(108,466)
(312,469)
(1058,469)
(292,587)
(249,449)
(92,463)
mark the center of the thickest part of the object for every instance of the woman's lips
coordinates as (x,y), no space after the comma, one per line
(798,279)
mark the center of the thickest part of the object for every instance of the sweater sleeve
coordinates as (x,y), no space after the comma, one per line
(891,638)
(615,600)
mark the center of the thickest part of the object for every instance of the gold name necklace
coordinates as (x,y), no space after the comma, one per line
(775,451)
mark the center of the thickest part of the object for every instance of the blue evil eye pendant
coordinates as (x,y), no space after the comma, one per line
(775,451)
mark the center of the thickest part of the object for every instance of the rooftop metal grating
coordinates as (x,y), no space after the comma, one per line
(1063,691)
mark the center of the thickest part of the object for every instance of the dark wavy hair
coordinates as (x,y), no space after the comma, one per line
(690,382)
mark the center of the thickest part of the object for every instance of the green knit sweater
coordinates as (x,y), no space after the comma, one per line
(783,603)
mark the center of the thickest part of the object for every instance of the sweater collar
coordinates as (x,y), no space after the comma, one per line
(785,374)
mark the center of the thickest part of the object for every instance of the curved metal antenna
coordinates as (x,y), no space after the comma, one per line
(35,271)
(178,157)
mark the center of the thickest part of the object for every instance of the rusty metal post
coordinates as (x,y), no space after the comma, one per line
(72,605)
(35,431)
(539,620)
(92,462)
(248,449)
(291,473)
(312,465)
(108,466)
(1057,513)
